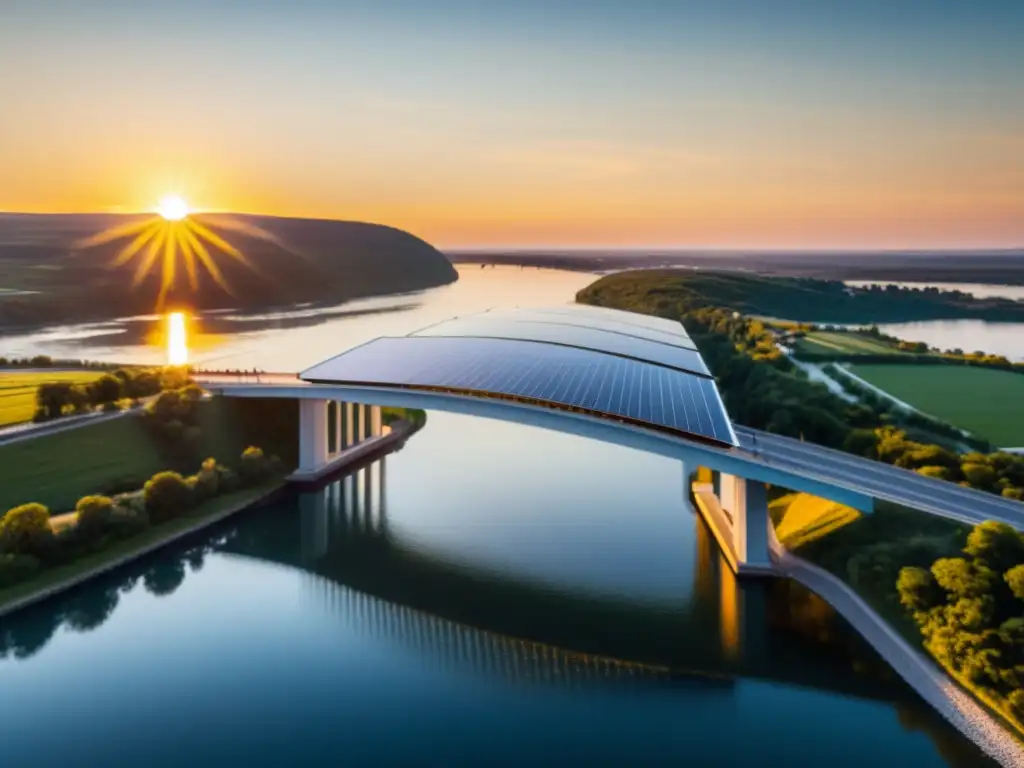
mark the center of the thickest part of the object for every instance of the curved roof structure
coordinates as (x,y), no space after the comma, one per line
(603,362)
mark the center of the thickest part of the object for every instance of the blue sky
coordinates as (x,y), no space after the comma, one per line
(733,124)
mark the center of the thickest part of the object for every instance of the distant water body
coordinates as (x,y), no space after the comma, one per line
(978,290)
(1005,339)
(301,336)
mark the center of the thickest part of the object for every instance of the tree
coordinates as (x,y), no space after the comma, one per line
(26,530)
(94,514)
(1015,578)
(52,397)
(997,544)
(106,389)
(979,475)
(861,442)
(253,464)
(166,496)
(918,589)
(939,473)
(961,578)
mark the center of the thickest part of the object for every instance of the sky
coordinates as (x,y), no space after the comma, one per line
(571,123)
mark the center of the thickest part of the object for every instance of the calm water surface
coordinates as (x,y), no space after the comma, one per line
(296,339)
(491,594)
(1005,339)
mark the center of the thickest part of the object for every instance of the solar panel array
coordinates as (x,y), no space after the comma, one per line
(563,376)
(496,327)
(602,320)
(617,315)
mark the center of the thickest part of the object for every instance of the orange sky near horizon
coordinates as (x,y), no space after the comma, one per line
(647,142)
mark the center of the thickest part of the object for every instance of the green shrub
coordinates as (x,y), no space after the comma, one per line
(126,522)
(111,407)
(134,501)
(17,568)
(93,516)
(253,466)
(26,530)
(167,496)
(69,543)
(207,481)
(227,480)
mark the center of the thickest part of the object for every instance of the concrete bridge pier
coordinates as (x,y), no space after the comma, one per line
(352,425)
(736,511)
(746,502)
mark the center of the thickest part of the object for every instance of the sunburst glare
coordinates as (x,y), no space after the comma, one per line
(176,237)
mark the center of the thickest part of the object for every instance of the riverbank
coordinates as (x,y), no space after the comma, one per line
(57,580)
(933,683)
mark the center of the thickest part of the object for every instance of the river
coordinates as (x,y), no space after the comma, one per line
(491,594)
(292,340)
(471,599)
(1005,339)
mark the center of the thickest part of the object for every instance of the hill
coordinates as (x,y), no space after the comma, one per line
(47,277)
(792,298)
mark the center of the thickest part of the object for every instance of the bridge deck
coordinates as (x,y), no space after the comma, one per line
(771,458)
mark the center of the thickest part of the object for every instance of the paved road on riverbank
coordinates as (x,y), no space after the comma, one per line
(930,682)
(881,481)
(19,432)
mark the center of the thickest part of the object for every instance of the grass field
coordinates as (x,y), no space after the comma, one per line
(804,518)
(988,402)
(58,469)
(831,342)
(18,391)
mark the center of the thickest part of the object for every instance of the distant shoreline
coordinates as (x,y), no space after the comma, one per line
(969,267)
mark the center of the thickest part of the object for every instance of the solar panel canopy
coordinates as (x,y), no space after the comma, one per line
(662,353)
(532,357)
(597,319)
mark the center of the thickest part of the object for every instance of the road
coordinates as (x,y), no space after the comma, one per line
(930,682)
(881,481)
(19,432)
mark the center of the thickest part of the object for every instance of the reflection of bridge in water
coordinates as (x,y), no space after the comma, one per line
(462,616)
(451,645)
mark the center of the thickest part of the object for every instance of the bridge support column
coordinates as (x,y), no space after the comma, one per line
(746,502)
(339,434)
(312,434)
(349,425)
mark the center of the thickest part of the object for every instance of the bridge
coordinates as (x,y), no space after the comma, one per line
(628,379)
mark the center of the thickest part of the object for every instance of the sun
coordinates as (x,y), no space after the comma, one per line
(172,208)
(176,234)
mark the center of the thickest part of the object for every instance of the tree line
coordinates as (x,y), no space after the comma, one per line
(55,399)
(970,612)
(30,544)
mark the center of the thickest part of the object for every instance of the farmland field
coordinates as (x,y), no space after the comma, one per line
(980,400)
(58,469)
(18,391)
(838,343)
(803,518)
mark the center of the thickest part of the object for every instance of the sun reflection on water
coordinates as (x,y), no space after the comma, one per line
(177,339)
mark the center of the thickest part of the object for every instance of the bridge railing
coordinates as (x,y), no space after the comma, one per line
(241,376)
